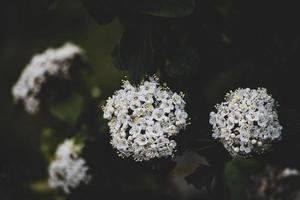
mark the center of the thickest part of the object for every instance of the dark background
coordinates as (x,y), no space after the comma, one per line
(223,45)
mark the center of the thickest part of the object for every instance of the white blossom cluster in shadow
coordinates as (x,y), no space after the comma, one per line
(68,170)
(144,119)
(246,122)
(51,63)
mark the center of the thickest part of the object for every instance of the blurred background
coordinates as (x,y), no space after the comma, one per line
(29,28)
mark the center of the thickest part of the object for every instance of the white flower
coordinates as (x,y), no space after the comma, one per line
(147,98)
(122,143)
(181,116)
(155,130)
(148,87)
(141,140)
(158,114)
(68,170)
(287,172)
(246,122)
(68,149)
(150,115)
(161,94)
(135,130)
(167,106)
(177,99)
(51,63)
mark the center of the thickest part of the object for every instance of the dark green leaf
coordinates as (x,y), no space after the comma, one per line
(68,110)
(52,4)
(164,8)
(183,62)
(116,59)
(103,11)
(202,176)
(136,51)
(237,173)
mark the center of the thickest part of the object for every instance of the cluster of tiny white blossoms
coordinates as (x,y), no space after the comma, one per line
(51,63)
(143,119)
(247,122)
(68,169)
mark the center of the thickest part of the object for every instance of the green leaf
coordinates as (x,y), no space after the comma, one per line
(116,58)
(49,143)
(136,51)
(68,110)
(52,4)
(183,62)
(103,11)
(202,176)
(164,8)
(237,174)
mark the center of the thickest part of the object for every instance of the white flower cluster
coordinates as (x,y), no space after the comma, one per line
(247,122)
(68,169)
(53,62)
(144,119)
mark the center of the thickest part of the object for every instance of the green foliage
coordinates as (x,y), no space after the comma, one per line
(49,142)
(104,11)
(95,92)
(68,110)
(237,174)
(164,8)
(202,176)
(136,51)
(183,62)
